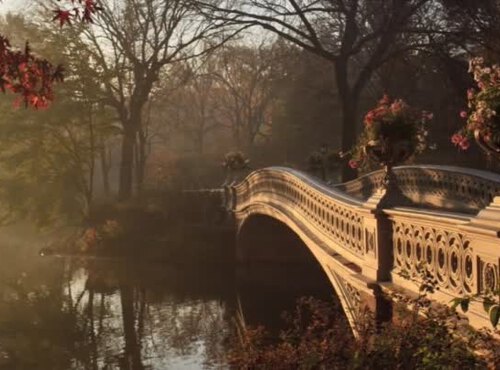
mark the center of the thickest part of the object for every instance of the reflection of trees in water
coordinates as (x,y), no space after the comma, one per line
(38,328)
(102,316)
(130,325)
(187,328)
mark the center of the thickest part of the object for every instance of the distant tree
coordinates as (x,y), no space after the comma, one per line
(130,44)
(245,75)
(474,25)
(357,36)
(200,94)
(48,158)
(190,101)
(305,105)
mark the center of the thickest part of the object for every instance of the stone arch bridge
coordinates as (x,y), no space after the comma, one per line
(442,219)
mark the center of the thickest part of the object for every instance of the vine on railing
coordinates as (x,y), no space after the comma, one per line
(490,302)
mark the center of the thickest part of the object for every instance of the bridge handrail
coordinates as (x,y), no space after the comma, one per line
(307,179)
(331,211)
(444,187)
(461,253)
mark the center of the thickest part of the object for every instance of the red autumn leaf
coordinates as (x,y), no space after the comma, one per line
(87,15)
(63,16)
(31,77)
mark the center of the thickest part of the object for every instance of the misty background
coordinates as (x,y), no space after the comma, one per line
(157,92)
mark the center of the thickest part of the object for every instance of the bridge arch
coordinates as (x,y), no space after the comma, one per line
(265,239)
(266,234)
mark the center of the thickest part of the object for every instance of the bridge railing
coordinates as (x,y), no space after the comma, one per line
(448,224)
(330,212)
(440,187)
(461,253)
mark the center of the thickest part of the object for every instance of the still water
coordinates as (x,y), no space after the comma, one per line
(96,313)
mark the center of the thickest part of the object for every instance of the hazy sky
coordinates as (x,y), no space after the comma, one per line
(14,5)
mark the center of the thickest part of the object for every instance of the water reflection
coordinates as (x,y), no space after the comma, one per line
(265,292)
(151,316)
(114,315)
(68,313)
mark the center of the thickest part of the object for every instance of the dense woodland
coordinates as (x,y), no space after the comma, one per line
(156,91)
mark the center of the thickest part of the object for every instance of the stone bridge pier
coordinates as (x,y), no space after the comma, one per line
(444,220)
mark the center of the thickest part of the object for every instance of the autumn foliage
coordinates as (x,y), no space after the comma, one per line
(483,103)
(28,76)
(317,337)
(31,77)
(79,10)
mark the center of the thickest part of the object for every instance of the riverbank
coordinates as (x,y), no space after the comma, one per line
(178,227)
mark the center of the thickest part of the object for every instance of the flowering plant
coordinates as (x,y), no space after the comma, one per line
(483,105)
(390,123)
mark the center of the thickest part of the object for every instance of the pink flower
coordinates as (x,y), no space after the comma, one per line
(353,164)
(385,100)
(456,139)
(463,114)
(369,118)
(397,106)
(470,94)
(464,144)
(461,141)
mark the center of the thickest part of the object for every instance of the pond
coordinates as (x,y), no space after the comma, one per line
(104,313)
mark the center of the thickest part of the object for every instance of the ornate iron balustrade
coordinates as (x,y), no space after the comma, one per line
(451,228)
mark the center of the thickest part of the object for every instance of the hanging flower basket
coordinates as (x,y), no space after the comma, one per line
(389,152)
(234,161)
(393,133)
(235,164)
(483,113)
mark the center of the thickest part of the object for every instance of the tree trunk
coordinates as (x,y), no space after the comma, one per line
(126,165)
(90,187)
(349,105)
(236,138)
(249,145)
(105,158)
(349,130)
(140,160)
